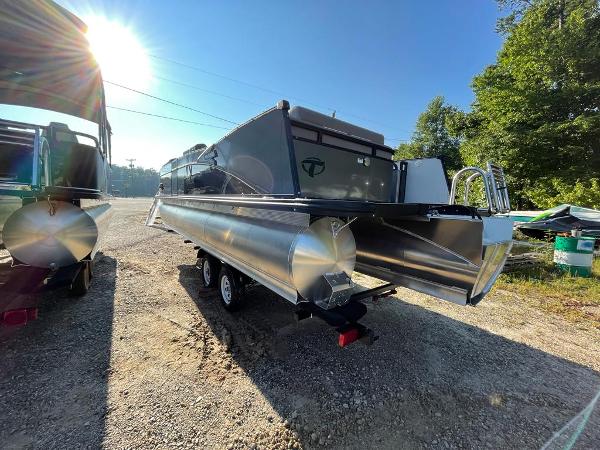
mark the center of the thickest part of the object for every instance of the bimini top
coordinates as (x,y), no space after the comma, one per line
(45,60)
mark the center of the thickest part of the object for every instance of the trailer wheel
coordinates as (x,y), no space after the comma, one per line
(209,270)
(231,288)
(81,283)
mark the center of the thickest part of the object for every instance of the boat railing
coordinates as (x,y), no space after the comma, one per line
(93,139)
(17,135)
(28,154)
(494,186)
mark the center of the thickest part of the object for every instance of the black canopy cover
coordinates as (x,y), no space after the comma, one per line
(45,60)
(563,219)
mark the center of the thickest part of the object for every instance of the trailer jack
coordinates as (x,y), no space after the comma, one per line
(343,318)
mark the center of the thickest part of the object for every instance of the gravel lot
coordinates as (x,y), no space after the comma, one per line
(148,359)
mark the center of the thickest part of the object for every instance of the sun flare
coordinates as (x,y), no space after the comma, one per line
(120,55)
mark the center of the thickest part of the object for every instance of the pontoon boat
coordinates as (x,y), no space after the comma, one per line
(297,201)
(53,180)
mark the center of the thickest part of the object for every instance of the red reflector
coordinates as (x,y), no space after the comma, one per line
(348,337)
(15,317)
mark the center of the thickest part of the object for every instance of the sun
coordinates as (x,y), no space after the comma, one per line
(121,57)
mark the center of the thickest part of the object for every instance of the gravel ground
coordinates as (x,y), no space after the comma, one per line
(148,359)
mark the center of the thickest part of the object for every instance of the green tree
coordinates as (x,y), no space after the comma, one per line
(537,109)
(136,182)
(432,137)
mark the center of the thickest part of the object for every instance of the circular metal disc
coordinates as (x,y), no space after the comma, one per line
(318,252)
(34,236)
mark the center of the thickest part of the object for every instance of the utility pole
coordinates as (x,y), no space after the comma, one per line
(131,160)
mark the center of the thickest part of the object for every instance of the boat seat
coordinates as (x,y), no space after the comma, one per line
(74,165)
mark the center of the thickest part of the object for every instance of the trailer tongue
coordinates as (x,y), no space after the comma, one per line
(298,201)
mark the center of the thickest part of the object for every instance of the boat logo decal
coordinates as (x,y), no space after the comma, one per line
(313,166)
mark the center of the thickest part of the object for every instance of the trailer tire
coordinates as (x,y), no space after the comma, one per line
(81,283)
(209,270)
(231,288)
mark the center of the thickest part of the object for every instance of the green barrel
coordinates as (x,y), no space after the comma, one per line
(574,254)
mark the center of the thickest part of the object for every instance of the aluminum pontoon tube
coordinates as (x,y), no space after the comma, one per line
(281,250)
(101,211)
(53,234)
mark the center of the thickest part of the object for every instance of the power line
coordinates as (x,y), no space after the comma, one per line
(171,102)
(188,107)
(198,123)
(214,74)
(271,91)
(168,118)
(198,88)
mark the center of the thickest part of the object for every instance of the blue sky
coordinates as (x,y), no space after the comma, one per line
(376,63)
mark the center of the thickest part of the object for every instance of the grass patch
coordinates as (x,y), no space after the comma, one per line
(549,288)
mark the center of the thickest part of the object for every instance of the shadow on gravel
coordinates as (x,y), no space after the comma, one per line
(53,371)
(428,381)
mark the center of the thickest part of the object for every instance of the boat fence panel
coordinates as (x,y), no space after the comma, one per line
(328,172)
(258,153)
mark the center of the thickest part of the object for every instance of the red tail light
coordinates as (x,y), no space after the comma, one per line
(18,317)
